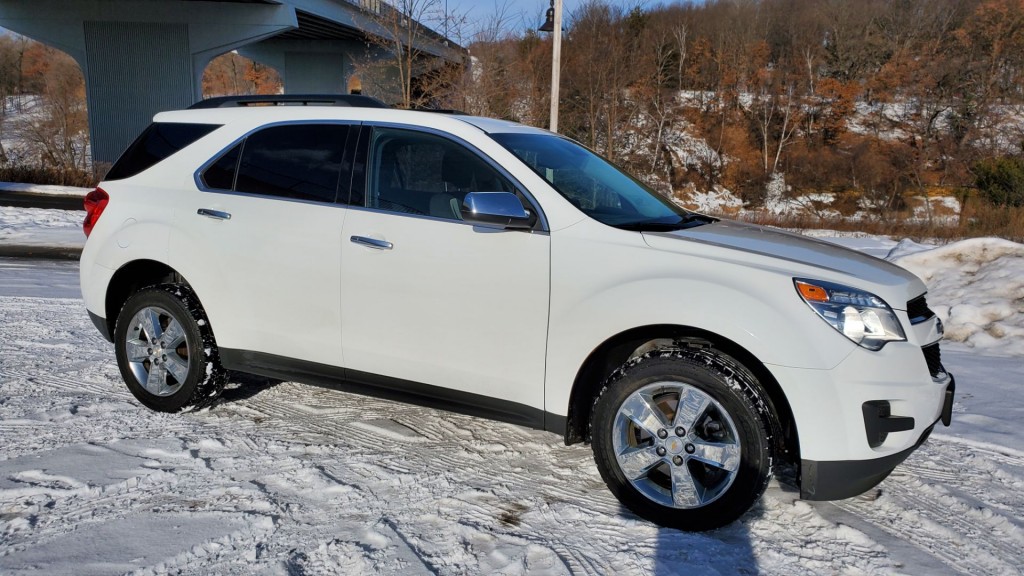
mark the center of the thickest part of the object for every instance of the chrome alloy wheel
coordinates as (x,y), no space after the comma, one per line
(676,445)
(157,351)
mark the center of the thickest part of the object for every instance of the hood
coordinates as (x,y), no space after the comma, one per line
(890,282)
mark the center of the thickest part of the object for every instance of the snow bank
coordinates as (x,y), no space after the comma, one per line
(976,287)
(47,189)
(715,201)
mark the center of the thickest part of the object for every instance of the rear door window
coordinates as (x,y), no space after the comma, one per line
(159,141)
(299,161)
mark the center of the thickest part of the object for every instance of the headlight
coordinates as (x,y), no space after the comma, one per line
(860,316)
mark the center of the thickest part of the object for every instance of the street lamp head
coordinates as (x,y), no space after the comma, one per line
(549,20)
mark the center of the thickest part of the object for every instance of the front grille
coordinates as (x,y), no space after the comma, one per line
(934,359)
(918,310)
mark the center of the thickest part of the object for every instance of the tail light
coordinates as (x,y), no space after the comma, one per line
(95,202)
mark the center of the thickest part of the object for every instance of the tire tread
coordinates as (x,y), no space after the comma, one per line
(747,391)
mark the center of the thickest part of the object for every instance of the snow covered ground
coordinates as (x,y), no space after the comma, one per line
(284,478)
(41,227)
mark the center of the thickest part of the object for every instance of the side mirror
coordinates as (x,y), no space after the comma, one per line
(495,210)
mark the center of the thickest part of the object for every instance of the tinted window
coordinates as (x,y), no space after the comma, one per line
(591,183)
(157,142)
(301,161)
(418,173)
(221,174)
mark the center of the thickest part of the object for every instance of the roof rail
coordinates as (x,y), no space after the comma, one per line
(353,100)
(442,111)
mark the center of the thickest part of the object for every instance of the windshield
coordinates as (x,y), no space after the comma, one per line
(594,185)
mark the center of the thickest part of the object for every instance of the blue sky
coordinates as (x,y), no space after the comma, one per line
(520,14)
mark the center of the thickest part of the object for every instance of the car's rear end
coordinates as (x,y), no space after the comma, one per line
(126,213)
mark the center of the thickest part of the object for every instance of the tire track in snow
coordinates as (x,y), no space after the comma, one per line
(105,388)
(436,456)
(501,461)
(939,503)
(992,477)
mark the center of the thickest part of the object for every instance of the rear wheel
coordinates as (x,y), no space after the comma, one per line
(679,441)
(166,351)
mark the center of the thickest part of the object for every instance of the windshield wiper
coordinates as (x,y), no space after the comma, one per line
(690,220)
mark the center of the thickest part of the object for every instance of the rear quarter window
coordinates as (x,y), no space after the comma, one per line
(159,141)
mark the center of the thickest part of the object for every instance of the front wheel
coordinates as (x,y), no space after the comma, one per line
(679,441)
(165,349)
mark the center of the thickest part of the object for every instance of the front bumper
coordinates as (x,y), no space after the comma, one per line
(838,479)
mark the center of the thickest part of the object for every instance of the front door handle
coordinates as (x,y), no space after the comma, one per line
(215,214)
(372,243)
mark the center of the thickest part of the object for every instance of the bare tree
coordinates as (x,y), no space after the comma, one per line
(231,73)
(680,33)
(9,73)
(400,31)
(57,130)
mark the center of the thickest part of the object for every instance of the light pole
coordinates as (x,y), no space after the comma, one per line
(553,23)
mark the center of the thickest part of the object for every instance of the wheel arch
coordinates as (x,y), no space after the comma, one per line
(132,277)
(614,351)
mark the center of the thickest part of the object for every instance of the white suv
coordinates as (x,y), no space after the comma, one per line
(489,268)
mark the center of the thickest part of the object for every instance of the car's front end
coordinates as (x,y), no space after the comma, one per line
(867,414)
(880,388)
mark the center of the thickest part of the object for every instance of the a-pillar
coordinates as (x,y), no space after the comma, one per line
(140,57)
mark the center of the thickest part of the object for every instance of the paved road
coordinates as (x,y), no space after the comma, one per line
(35,253)
(42,278)
(30,200)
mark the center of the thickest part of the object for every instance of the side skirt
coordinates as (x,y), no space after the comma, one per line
(375,385)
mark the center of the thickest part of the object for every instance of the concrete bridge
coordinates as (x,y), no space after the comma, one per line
(143,56)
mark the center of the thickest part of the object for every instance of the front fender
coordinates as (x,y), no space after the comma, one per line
(601,289)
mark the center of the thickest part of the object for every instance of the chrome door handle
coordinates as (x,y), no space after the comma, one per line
(215,214)
(372,243)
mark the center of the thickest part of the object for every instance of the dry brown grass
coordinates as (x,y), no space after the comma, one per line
(979,218)
(41,175)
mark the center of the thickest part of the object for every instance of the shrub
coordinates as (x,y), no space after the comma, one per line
(1001,180)
(46,175)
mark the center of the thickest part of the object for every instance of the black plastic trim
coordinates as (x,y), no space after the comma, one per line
(918,310)
(947,403)
(879,421)
(350,100)
(367,384)
(839,479)
(101,324)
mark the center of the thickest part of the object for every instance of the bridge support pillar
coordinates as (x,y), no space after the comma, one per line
(141,57)
(309,67)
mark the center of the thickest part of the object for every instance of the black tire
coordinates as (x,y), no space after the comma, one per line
(192,376)
(710,495)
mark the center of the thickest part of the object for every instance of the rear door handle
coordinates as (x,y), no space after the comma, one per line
(372,243)
(215,214)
